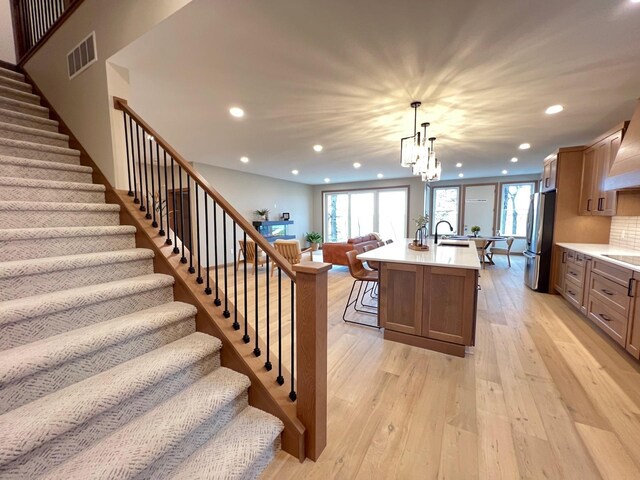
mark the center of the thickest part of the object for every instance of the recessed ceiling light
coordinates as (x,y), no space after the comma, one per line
(635,1)
(244,159)
(317,148)
(461,175)
(458,165)
(295,172)
(327,180)
(524,146)
(553,109)
(504,172)
(236,112)
(380,175)
(356,165)
(514,159)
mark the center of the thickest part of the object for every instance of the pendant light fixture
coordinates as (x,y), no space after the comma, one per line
(415,153)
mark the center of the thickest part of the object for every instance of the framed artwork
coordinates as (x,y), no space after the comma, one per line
(285,216)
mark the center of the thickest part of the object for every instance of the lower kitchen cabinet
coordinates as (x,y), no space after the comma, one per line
(633,328)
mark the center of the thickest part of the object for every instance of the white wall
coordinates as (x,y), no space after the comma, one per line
(7,45)
(84,102)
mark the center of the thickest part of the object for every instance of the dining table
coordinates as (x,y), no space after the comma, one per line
(482,244)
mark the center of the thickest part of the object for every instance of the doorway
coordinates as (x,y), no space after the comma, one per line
(479,209)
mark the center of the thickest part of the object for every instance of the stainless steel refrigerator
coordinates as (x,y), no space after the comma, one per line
(539,239)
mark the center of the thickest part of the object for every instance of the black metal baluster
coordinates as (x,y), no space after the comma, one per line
(245,337)
(217,301)
(256,350)
(161,231)
(206,239)
(199,278)
(292,393)
(126,144)
(183,259)
(236,325)
(152,205)
(142,207)
(191,269)
(146,177)
(267,364)
(280,378)
(176,250)
(166,198)
(133,165)
(224,256)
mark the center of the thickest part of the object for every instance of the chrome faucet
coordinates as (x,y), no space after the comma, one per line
(436,230)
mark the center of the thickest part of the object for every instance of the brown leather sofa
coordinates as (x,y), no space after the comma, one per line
(336,252)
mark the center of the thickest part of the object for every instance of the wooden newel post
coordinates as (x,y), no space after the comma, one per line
(311,351)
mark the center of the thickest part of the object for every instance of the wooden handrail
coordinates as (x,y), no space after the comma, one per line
(121,104)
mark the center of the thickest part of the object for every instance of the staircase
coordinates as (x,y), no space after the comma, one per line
(102,373)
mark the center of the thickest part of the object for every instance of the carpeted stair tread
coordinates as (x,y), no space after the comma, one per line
(134,447)
(8,130)
(64,232)
(51,184)
(233,452)
(42,420)
(24,119)
(5,72)
(16,84)
(28,162)
(16,94)
(39,305)
(14,214)
(38,151)
(57,206)
(24,107)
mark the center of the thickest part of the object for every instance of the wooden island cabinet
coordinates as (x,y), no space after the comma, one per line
(428,299)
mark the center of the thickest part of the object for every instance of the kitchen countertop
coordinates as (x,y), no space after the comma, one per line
(437,255)
(598,250)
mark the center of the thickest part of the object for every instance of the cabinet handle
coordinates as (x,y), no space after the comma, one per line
(600,209)
(630,288)
(573,274)
(607,292)
(479,287)
(604,317)
(589,205)
(564,257)
(546,182)
(573,294)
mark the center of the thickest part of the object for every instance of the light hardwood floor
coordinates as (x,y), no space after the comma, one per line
(544,395)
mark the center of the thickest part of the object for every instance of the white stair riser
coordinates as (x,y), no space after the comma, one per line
(27,194)
(56,218)
(20,171)
(7,91)
(15,84)
(32,387)
(37,328)
(21,107)
(56,247)
(61,448)
(35,154)
(29,285)
(34,137)
(7,117)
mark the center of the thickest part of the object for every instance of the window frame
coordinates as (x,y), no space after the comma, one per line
(433,205)
(534,186)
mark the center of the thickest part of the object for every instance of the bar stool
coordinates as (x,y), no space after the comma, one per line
(371,264)
(363,277)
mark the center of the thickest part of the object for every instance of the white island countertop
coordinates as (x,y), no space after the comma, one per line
(437,255)
(600,250)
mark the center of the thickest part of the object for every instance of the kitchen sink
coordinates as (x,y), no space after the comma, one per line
(454,243)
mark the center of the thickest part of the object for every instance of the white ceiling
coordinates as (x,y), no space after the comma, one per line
(343,72)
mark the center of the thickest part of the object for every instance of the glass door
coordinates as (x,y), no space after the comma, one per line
(337,217)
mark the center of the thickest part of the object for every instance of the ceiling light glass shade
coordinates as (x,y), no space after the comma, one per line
(417,154)
(433,169)
(409,150)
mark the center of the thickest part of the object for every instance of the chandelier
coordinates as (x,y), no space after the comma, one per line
(416,154)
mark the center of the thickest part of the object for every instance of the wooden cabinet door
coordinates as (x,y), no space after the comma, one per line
(633,333)
(607,200)
(450,316)
(400,298)
(561,269)
(589,170)
(549,174)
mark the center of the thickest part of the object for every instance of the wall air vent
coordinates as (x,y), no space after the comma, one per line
(83,55)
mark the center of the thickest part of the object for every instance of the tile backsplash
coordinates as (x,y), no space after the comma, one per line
(625,232)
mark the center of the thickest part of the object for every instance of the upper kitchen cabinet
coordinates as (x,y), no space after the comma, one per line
(625,170)
(597,161)
(549,173)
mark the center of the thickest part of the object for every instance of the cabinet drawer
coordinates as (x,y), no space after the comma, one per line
(614,324)
(580,259)
(573,292)
(571,256)
(613,272)
(575,273)
(610,293)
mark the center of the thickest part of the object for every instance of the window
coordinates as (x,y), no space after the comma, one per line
(355,213)
(514,208)
(446,202)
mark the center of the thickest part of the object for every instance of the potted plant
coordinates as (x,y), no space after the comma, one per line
(475,230)
(263,214)
(314,238)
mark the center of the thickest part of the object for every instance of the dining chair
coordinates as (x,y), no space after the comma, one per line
(248,254)
(362,277)
(481,247)
(493,250)
(290,250)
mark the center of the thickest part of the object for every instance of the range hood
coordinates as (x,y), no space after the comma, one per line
(625,170)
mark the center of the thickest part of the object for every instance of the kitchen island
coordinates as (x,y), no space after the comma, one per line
(428,299)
